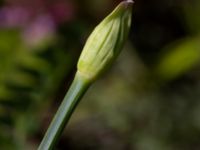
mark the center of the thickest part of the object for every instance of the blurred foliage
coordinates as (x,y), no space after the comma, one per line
(149,100)
(185,54)
(27,78)
(191,11)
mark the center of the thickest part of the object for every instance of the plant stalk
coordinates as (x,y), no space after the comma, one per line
(77,89)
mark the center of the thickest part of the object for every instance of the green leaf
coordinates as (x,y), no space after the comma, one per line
(179,58)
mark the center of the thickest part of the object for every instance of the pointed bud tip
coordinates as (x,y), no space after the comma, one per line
(127,3)
(106,41)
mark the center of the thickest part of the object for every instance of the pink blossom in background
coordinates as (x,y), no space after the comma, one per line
(38,19)
(62,11)
(14,17)
(40,30)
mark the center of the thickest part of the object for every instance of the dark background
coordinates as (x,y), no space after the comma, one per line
(148,100)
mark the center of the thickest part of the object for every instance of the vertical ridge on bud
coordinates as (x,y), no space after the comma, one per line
(106,41)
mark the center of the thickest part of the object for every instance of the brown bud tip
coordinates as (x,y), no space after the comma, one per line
(129,1)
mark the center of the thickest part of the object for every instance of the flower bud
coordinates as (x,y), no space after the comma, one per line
(106,41)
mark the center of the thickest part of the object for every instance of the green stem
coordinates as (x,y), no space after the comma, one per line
(78,87)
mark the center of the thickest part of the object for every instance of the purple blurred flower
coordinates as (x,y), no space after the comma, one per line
(14,17)
(62,11)
(40,30)
(37,19)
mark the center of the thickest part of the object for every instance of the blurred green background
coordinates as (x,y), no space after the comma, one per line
(149,99)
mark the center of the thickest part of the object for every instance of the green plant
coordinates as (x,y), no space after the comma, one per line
(101,49)
(27,76)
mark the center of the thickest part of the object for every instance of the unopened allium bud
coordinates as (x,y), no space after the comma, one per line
(101,48)
(106,41)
